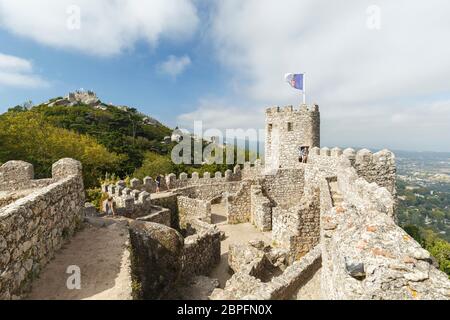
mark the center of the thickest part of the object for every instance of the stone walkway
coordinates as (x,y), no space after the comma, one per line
(235,233)
(103,258)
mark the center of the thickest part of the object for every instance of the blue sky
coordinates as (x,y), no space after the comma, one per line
(133,77)
(378,69)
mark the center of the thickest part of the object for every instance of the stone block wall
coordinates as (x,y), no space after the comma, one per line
(261,209)
(284,225)
(189,208)
(367,256)
(161,259)
(169,201)
(246,283)
(158,215)
(298,228)
(238,286)
(325,159)
(308,231)
(244,258)
(379,167)
(130,203)
(201,251)
(363,195)
(156,259)
(19,175)
(7,197)
(238,204)
(209,192)
(286,285)
(285,187)
(252,171)
(171,182)
(34,227)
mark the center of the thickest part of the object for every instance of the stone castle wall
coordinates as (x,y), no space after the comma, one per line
(365,254)
(18,175)
(156,259)
(378,167)
(285,187)
(261,209)
(210,192)
(201,251)
(136,204)
(170,181)
(252,171)
(297,228)
(238,204)
(190,208)
(161,259)
(251,281)
(34,227)
(286,285)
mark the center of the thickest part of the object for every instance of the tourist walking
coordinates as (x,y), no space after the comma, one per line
(108,207)
(158,183)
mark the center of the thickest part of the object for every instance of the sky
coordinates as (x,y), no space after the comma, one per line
(379,69)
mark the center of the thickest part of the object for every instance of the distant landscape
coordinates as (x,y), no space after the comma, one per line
(423,190)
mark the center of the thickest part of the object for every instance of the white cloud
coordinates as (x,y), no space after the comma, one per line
(106,27)
(18,72)
(174,66)
(218,113)
(357,75)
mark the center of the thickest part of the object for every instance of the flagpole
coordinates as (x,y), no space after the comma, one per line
(304,88)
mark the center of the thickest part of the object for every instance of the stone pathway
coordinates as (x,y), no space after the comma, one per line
(161,194)
(336,195)
(103,257)
(235,233)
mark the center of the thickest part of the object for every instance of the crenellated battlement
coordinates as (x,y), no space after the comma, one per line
(376,167)
(252,170)
(19,175)
(366,196)
(171,181)
(136,204)
(290,110)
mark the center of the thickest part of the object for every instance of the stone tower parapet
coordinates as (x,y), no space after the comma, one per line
(287,129)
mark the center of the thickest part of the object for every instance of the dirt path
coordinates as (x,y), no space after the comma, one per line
(234,233)
(311,290)
(103,258)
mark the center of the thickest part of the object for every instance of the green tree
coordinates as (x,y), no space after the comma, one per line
(153,165)
(414,232)
(29,137)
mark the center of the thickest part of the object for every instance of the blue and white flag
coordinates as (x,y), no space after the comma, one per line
(295,80)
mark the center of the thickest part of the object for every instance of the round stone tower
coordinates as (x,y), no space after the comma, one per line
(287,130)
